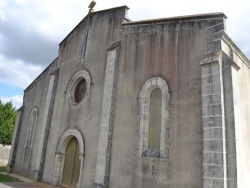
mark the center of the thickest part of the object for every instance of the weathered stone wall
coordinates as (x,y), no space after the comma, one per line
(172,50)
(103,30)
(240,111)
(236,71)
(34,96)
(4,154)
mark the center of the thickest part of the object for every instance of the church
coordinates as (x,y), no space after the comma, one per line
(160,103)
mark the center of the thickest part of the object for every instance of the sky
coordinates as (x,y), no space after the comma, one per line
(30,31)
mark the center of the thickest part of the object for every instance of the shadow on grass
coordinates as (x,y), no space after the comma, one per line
(3,168)
(6,178)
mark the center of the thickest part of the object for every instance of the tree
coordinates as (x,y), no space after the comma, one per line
(7,121)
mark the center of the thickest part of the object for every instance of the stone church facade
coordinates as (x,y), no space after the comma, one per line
(153,103)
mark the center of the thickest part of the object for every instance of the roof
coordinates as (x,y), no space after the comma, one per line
(95,12)
(180,18)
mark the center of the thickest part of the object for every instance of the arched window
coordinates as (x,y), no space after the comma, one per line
(154,99)
(31,128)
(29,140)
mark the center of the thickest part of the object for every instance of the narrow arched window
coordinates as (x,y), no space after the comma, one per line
(154,100)
(31,128)
(33,117)
(155,119)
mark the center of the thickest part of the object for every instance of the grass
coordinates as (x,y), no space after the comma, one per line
(6,178)
(3,168)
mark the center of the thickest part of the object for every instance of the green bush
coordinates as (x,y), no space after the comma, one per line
(7,121)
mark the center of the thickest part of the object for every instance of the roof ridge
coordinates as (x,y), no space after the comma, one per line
(176,18)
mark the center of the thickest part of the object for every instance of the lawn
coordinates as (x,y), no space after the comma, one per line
(3,168)
(6,178)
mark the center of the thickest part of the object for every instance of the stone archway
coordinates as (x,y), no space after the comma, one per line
(61,151)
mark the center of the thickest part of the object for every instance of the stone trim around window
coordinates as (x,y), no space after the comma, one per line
(76,78)
(32,126)
(144,104)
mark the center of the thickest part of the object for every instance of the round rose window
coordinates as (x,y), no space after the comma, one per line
(80,91)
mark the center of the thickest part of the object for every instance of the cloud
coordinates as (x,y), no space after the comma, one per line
(39,23)
(17,100)
(26,45)
(18,73)
(48,18)
(30,30)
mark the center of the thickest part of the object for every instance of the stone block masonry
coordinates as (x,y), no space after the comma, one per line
(213,125)
(4,154)
(12,157)
(107,119)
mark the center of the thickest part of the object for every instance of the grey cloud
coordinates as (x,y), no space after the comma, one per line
(26,45)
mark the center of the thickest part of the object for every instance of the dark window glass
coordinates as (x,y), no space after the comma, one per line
(80,91)
(155,119)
